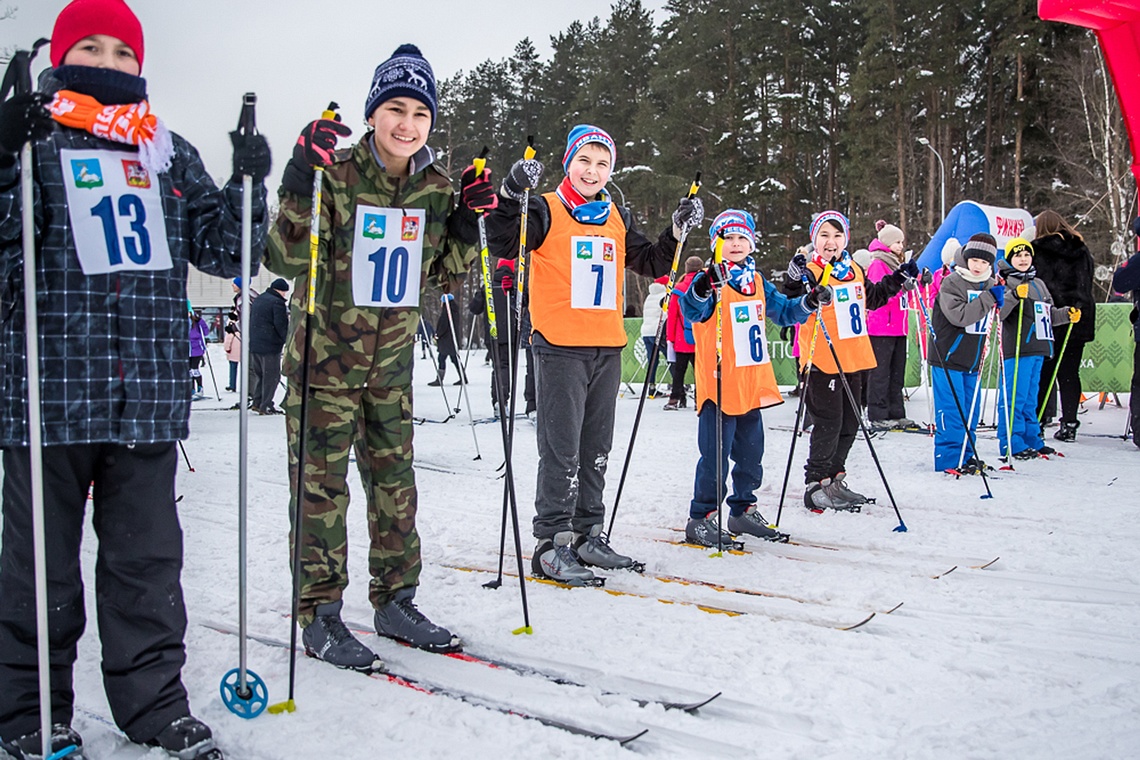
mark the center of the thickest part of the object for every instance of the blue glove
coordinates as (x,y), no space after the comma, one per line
(998,292)
(446,297)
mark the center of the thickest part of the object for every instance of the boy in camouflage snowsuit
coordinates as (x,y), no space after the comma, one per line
(384,201)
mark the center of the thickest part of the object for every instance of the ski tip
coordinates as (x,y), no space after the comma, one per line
(633,737)
(282,707)
(528,630)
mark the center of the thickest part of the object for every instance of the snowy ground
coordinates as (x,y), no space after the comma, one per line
(1033,657)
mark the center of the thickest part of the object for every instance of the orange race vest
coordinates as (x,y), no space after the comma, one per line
(748,380)
(846,322)
(576,279)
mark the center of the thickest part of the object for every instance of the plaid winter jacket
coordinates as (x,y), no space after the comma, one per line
(113,346)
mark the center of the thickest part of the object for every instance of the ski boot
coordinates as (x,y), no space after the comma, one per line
(906,423)
(826,495)
(1047,451)
(974,466)
(187,738)
(555,560)
(399,619)
(29,746)
(856,498)
(754,524)
(702,532)
(593,548)
(1067,432)
(327,638)
(1026,454)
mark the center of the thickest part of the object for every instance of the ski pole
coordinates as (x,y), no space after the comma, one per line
(925,367)
(651,369)
(303,418)
(806,375)
(511,500)
(1011,400)
(718,258)
(978,386)
(470,340)
(210,364)
(189,466)
(463,387)
(243,691)
(957,401)
(18,79)
(1056,368)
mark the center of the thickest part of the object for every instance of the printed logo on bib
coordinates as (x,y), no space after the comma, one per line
(982,326)
(749,334)
(117,219)
(593,273)
(1042,321)
(850,317)
(386,268)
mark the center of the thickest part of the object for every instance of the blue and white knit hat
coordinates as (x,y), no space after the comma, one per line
(732,221)
(830,216)
(583,134)
(405,74)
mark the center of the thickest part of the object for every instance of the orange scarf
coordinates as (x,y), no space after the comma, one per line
(130,124)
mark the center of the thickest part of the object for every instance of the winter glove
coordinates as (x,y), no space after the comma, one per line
(314,147)
(927,277)
(446,297)
(524,175)
(477,192)
(508,283)
(787,334)
(690,212)
(910,269)
(701,286)
(251,156)
(819,296)
(1074,315)
(998,292)
(797,268)
(1022,290)
(717,274)
(23,118)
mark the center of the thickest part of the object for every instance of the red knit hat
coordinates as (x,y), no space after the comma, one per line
(83,18)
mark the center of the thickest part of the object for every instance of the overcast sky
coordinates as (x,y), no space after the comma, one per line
(297,55)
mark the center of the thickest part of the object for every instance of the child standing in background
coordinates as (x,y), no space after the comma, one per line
(888,326)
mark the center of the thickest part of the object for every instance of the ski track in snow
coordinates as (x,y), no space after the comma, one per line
(1035,656)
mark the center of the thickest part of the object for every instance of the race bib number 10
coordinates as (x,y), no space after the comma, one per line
(115,209)
(593,273)
(749,338)
(387,256)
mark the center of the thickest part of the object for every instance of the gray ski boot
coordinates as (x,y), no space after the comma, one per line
(187,738)
(554,559)
(593,548)
(824,495)
(399,619)
(702,532)
(753,523)
(29,746)
(327,638)
(854,497)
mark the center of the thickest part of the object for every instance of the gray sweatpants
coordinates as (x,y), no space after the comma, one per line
(576,397)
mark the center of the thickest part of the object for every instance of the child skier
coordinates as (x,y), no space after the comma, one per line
(960,324)
(115,392)
(582,243)
(1028,316)
(197,354)
(748,384)
(386,199)
(888,326)
(836,421)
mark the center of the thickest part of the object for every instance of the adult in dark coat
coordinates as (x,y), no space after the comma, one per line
(268,330)
(505,297)
(446,341)
(1126,279)
(1065,265)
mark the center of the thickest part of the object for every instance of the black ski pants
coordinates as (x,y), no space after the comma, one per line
(1068,379)
(266,376)
(836,423)
(885,382)
(679,367)
(1134,399)
(138,594)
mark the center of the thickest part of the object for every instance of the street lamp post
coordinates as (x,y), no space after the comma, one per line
(941,172)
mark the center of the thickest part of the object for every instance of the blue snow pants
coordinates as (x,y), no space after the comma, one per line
(1025,428)
(744,442)
(950,433)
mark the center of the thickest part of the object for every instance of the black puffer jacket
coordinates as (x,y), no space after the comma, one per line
(1064,264)
(268,323)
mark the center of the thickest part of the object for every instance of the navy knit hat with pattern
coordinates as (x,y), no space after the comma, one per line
(405,75)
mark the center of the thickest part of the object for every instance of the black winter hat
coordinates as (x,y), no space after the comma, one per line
(279,284)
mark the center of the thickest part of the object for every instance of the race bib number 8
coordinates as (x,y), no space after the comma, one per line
(850,310)
(387,256)
(116,214)
(1043,320)
(749,337)
(982,326)
(593,273)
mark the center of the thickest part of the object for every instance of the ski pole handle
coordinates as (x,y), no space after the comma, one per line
(315,222)
(247,122)
(693,188)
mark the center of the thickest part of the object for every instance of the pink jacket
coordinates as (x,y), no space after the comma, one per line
(892,319)
(232,346)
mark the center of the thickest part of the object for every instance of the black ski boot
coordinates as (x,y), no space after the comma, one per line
(29,747)
(752,523)
(327,638)
(399,619)
(187,738)
(1067,432)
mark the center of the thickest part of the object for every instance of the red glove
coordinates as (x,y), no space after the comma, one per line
(476,192)
(317,142)
(508,284)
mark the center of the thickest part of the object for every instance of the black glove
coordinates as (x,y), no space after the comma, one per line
(718,274)
(787,334)
(689,213)
(910,269)
(927,277)
(797,267)
(24,118)
(231,328)
(251,156)
(477,192)
(701,286)
(820,295)
(524,175)
(314,147)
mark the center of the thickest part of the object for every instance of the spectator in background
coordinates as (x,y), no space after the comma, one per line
(446,341)
(651,312)
(198,332)
(268,329)
(1126,279)
(679,333)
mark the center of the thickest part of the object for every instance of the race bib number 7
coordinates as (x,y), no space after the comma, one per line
(115,209)
(593,273)
(387,256)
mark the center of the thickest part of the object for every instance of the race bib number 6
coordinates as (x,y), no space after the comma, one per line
(115,209)
(749,337)
(593,273)
(387,256)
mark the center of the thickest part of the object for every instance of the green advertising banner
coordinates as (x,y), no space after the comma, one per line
(1106,366)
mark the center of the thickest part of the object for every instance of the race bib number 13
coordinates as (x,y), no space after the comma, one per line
(115,209)
(593,273)
(387,256)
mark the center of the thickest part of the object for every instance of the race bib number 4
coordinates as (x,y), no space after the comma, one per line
(1043,320)
(593,273)
(850,312)
(749,337)
(387,256)
(115,209)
